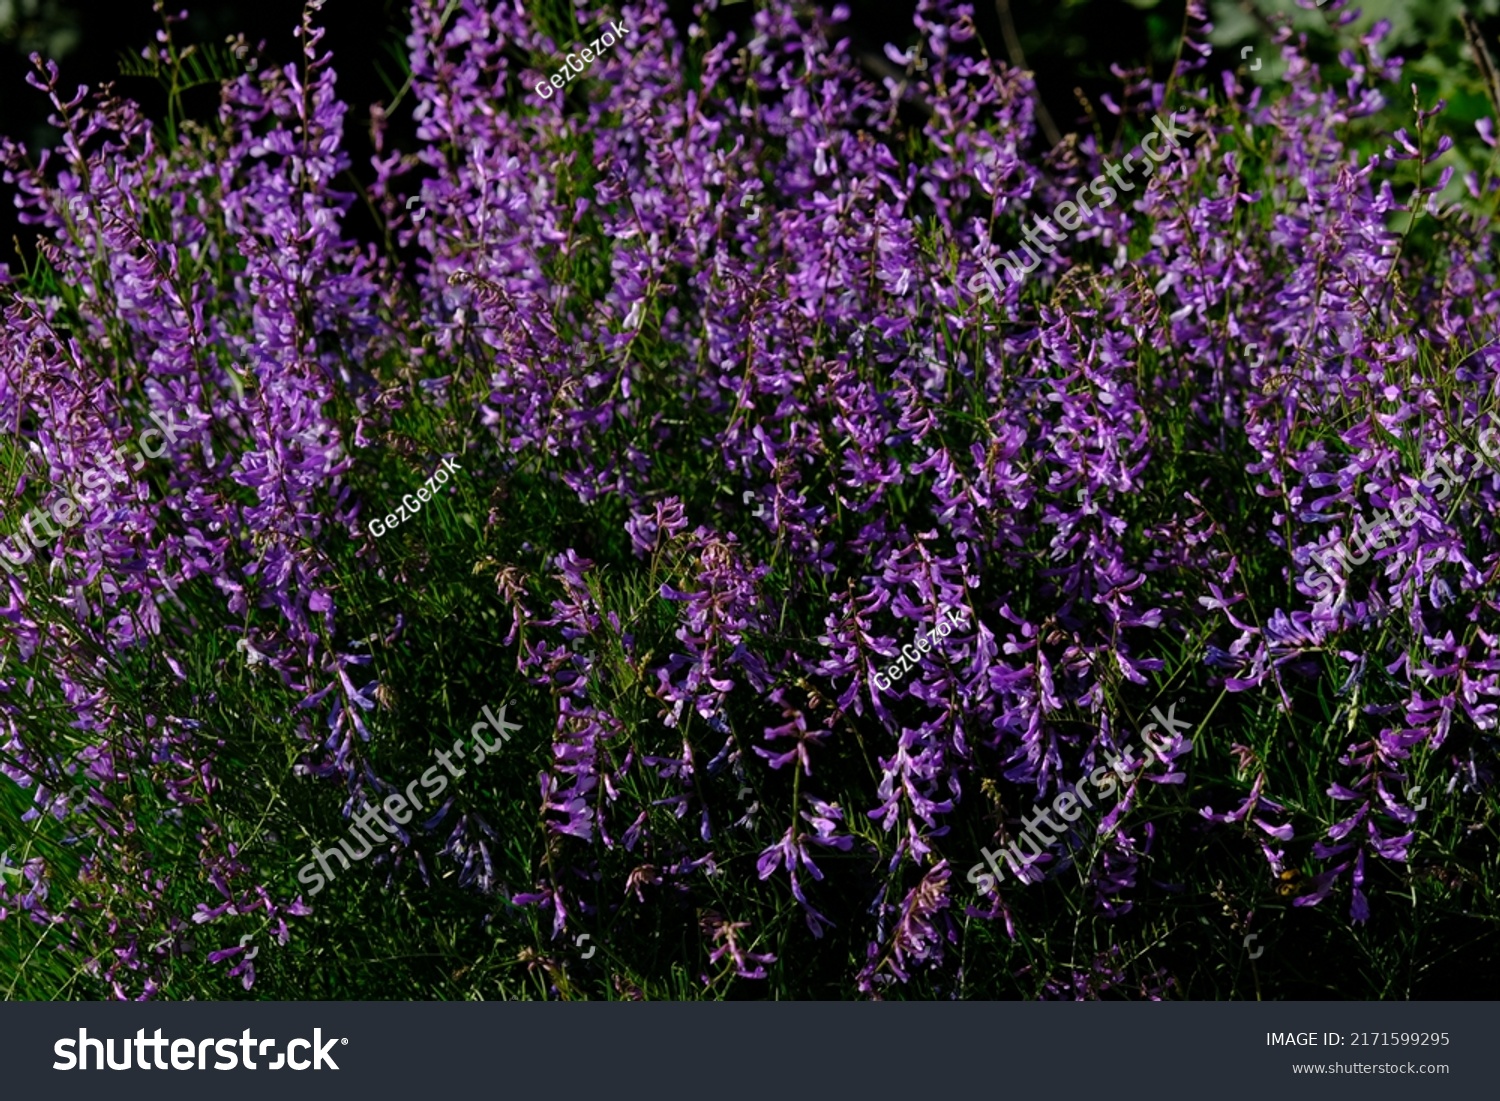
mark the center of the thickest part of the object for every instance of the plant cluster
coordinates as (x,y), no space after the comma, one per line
(719,264)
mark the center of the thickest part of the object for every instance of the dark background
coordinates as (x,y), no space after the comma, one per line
(842,1049)
(1068,45)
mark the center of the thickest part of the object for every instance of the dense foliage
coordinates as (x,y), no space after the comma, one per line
(732,432)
